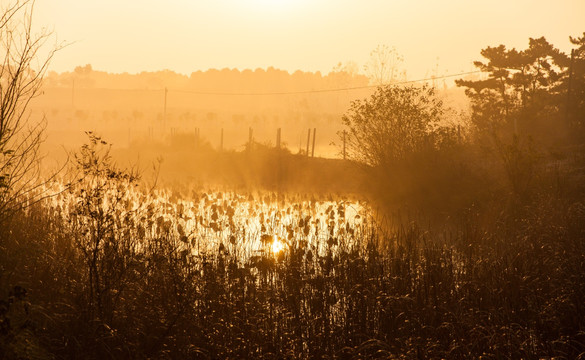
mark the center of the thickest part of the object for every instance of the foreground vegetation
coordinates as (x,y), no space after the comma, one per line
(111,271)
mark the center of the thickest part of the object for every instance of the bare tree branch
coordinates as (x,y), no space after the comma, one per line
(21,74)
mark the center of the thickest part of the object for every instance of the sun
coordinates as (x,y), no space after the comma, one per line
(272,5)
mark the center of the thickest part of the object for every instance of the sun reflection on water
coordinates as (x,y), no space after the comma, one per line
(277,245)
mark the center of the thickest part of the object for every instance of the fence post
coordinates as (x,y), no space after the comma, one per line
(165,111)
(344,133)
(314,135)
(308,141)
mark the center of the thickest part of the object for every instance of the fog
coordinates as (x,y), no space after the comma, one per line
(190,181)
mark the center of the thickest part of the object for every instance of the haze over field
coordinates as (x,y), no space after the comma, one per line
(278,47)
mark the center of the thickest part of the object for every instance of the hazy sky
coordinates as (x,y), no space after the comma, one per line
(189,35)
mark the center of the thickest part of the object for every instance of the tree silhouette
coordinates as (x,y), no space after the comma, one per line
(575,79)
(384,66)
(21,73)
(392,124)
(522,89)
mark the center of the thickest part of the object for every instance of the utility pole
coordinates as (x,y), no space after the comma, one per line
(250,139)
(278,138)
(73,94)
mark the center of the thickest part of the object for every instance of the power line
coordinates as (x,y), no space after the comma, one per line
(219,93)
(318,90)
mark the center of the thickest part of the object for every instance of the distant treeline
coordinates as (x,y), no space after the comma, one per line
(228,80)
(227,91)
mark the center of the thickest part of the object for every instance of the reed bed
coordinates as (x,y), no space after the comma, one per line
(132,274)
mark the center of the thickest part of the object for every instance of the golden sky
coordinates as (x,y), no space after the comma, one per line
(310,35)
